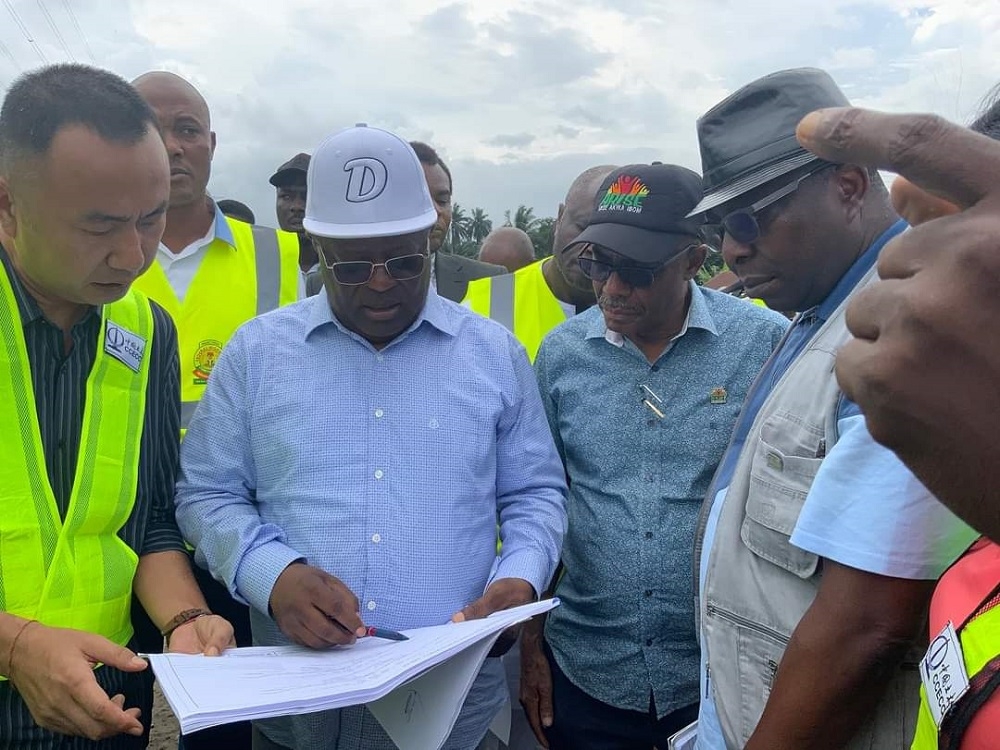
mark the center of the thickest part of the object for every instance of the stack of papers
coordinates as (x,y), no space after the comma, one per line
(437,665)
(686,739)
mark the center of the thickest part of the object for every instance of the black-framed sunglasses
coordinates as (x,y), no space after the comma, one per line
(358,272)
(742,224)
(638,277)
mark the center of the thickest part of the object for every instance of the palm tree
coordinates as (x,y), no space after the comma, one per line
(524,219)
(479,225)
(459,226)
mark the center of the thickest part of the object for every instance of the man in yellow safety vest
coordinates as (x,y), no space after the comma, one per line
(535,299)
(89,399)
(212,274)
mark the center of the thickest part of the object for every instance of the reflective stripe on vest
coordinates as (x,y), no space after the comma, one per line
(521,302)
(232,285)
(74,572)
(980,640)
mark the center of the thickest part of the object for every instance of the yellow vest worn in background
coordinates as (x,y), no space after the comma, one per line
(231,286)
(74,572)
(980,640)
(521,302)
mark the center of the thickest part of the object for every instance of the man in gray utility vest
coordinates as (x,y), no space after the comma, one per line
(818,548)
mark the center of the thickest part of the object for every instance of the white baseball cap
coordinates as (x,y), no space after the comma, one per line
(366,182)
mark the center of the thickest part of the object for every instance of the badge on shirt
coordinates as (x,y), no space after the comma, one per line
(943,672)
(718,396)
(125,346)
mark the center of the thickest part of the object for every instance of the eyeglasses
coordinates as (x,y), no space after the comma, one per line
(742,225)
(637,277)
(357,272)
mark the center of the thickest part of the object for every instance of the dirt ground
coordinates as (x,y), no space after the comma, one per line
(163,735)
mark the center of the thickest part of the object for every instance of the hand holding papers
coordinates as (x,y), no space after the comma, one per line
(260,682)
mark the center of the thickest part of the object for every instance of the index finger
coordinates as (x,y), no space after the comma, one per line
(946,159)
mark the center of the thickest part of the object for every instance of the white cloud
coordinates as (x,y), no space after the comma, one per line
(518,95)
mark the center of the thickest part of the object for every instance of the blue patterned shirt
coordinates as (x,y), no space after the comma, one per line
(626,626)
(388,469)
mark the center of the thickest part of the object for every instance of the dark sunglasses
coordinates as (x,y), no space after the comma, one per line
(600,271)
(742,224)
(357,272)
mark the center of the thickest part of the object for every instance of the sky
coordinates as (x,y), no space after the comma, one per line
(518,96)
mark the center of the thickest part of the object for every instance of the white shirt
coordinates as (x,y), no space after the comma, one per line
(180,268)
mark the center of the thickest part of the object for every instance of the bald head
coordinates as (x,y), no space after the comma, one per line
(509,247)
(186,127)
(574,213)
(584,188)
(162,85)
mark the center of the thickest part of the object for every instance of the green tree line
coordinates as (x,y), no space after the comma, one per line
(469,228)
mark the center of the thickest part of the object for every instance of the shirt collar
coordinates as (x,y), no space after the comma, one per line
(222,229)
(854,274)
(435,313)
(698,316)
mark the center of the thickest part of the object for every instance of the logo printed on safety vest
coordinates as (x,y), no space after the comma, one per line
(205,357)
(367,181)
(125,346)
(625,194)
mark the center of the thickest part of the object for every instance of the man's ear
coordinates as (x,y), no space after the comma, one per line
(695,259)
(8,220)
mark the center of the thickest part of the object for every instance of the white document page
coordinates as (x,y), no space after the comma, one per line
(686,739)
(260,682)
(420,714)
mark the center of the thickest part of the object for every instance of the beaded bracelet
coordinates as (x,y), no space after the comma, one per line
(13,645)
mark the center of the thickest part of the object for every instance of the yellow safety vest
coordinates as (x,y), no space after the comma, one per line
(231,286)
(980,639)
(74,572)
(521,301)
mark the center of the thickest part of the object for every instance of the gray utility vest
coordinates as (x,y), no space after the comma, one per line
(758,586)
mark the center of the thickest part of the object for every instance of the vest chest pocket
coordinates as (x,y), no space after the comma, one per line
(779,483)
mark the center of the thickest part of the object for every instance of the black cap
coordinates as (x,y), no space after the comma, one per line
(748,139)
(298,164)
(640,212)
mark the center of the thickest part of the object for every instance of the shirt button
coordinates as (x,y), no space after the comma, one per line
(379,474)
(649,641)
(655,368)
(379,413)
(371,606)
(649,534)
(647,592)
(376,538)
(651,423)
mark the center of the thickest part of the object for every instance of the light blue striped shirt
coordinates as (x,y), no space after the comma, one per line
(388,469)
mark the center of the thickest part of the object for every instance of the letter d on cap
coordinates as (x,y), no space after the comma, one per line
(367,180)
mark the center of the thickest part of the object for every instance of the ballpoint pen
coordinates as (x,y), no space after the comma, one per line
(391,635)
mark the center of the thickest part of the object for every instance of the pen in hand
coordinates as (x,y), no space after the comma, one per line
(391,635)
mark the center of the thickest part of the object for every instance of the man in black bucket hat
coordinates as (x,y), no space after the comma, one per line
(817,548)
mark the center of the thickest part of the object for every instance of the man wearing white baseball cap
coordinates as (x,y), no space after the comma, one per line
(353,452)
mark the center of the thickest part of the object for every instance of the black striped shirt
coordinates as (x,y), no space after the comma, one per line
(60,381)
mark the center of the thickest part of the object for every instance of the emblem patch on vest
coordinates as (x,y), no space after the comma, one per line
(125,346)
(718,396)
(205,357)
